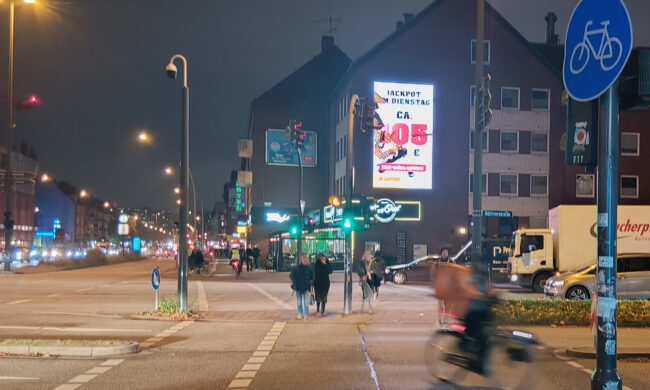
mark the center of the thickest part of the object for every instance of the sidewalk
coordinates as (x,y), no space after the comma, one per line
(579,341)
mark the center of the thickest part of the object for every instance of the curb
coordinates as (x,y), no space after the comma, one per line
(71,351)
(588,353)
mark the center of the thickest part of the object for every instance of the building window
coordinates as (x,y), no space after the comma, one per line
(337,151)
(486,52)
(540,99)
(509,98)
(629,186)
(483,184)
(629,144)
(538,185)
(585,185)
(472,95)
(508,185)
(509,141)
(484,138)
(539,143)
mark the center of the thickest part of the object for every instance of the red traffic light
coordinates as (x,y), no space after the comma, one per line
(33,99)
(312,221)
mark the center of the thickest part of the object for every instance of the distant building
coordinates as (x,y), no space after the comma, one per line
(303,96)
(25,167)
(54,216)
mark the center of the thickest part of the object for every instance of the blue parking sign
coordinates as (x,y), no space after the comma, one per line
(598,44)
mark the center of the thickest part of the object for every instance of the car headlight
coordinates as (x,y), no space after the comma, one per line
(557,283)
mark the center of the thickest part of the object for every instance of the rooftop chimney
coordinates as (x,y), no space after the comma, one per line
(551,37)
(326,43)
(407,18)
(399,25)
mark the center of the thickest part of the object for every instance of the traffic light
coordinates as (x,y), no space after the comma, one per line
(335,201)
(484,98)
(295,228)
(368,107)
(348,223)
(32,101)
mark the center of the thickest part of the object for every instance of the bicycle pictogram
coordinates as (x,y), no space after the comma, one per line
(609,52)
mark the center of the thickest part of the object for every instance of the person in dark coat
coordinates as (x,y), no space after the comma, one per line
(377,271)
(256,254)
(249,259)
(302,279)
(322,271)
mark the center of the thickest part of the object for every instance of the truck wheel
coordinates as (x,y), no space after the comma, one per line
(539,281)
(577,293)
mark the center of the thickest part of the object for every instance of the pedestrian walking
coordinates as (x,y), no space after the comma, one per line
(377,269)
(322,271)
(365,281)
(302,279)
(256,255)
(249,259)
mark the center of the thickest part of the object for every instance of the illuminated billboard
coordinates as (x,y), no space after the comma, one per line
(403,147)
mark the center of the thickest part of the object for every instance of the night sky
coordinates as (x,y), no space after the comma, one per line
(98,67)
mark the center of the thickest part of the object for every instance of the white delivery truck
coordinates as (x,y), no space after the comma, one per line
(570,242)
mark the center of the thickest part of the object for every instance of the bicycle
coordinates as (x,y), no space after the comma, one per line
(452,357)
(606,51)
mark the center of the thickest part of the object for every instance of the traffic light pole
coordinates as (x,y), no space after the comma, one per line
(477,222)
(606,376)
(349,187)
(10,125)
(300,211)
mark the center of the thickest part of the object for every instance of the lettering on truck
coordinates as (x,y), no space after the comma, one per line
(629,227)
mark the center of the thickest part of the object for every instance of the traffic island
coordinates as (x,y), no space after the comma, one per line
(169,310)
(73,348)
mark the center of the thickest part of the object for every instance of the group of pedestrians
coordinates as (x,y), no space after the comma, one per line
(311,285)
(250,256)
(308,284)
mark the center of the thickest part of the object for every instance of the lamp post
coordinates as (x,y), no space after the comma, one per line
(8,221)
(185,167)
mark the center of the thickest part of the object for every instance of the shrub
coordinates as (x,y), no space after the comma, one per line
(565,313)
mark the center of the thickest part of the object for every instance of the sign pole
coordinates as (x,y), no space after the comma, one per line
(300,205)
(155,307)
(606,376)
(349,190)
(477,223)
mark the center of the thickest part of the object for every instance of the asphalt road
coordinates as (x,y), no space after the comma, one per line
(249,337)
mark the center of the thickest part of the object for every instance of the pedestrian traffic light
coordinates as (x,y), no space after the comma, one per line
(484,99)
(368,107)
(348,222)
(295,228)
(335,201)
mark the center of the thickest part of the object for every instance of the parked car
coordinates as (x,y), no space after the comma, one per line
(416,270)
(632,280)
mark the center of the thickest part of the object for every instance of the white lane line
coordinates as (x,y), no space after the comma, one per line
(84,289)
(82,378)
(77,314)
(98,370)
(283,305)
(68,386)
(574,364)
(588,371)
(20,301)
(371,365)
(239,383)
(17,378)
(112,362)
(21,327)
(203,301)
(54,295)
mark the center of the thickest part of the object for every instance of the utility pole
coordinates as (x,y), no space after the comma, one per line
(477,222)
(349,190)
(8,221)
(297,136)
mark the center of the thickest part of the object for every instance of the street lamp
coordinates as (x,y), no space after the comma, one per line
(83,194)
(8,221)
(144,137)
(185,167)
(169,171)
(45,178)
(177,190)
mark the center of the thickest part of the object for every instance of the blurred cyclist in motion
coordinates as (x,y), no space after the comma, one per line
(466,296)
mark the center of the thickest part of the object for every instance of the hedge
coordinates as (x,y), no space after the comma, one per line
(557,312)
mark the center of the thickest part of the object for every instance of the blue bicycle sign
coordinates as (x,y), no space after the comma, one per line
(598,44)
(609,50)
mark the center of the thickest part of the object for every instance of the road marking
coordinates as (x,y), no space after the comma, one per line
(77,314)
(282,304)
(203,302)
(98,370)
(21,327)
(105,285)
(164,334)
(245,376)
(90,374)
(95,330)
(54,295)
(82,378)
(17,378)
(371,365)
(84,289)
(588,371)
(574,364)
(20,301)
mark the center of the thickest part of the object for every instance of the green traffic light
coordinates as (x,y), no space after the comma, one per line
(347,224)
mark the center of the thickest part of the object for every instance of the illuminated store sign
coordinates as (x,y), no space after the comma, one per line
(331,214)
(385,210)
(277,217)
(403,148)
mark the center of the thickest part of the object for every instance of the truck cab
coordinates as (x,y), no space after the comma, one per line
(530,261)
